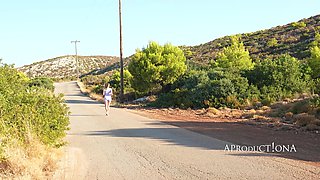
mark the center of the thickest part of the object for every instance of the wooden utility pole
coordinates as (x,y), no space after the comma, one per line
(121,58)
(77,62)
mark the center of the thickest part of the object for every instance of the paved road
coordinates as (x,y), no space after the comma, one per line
(128,146)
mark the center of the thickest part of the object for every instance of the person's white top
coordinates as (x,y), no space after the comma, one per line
(108,92)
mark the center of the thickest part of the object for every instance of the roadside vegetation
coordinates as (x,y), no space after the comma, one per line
(33,122)
(233,79)
(293,39)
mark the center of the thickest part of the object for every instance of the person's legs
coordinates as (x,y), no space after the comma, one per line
(107,106)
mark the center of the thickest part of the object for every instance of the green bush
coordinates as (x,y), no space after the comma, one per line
(299,24)
(175,98)
(315,102)
(98,89)
(216,87)
(314,61)
(29,112)
(92,80)
(272,42)
(115,81)
(42,82)
(317,85)
(234,56)
(156,66)
(281,77)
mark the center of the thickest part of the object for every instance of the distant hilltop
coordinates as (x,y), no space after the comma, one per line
(293,39)
(66,66)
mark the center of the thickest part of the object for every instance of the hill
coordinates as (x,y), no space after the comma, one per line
(293,38)
(66,66)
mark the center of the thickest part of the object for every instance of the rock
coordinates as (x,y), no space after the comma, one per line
(285,127)
(213,110)
(265,108)
(258,104)
(252,111)
(288,116)
(143,99)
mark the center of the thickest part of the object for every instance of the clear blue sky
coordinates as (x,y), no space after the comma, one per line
(34,30)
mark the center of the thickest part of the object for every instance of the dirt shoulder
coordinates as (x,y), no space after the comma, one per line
(239,127)
(240,131)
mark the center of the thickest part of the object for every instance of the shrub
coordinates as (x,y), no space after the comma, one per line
(272,42)
(234,56)
(115,81)
(301,107)
(98,89)
(315,102)
(214,88)
(314,61)
(156,66)
(299,24)
(278,78)
(317,85)
(29,112)
(42,82)
(304,119)
(92,80)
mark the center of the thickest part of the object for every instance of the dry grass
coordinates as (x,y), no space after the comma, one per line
(31,161)
(304,119)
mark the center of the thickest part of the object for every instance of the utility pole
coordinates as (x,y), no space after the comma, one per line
(121,59)
(77,63)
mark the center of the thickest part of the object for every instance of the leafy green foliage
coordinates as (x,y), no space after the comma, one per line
(270,80)
(290,40)
(115,80)
(234,56)
(217,87)
(300,24)
(272,42)
(29,112)
(95,79)
(42,82)
(283,73)
(314,61)
(156,66)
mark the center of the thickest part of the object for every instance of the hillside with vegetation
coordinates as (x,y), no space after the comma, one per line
(66,66)
(293,39)
(245,71)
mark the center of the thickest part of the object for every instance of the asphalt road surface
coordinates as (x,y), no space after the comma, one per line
(128,146)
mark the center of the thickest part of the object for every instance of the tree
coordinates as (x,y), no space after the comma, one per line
(272,42)
(234,56)
(283,72)
(115,80)
(314,60)
(156,66)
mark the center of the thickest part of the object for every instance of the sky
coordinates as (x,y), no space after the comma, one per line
(36,30)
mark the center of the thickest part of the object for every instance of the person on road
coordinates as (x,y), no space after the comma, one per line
(107,93)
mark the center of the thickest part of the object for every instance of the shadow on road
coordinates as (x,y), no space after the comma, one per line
(171,136)
(75,95)
(307,144)
(82,102)
(87,115)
